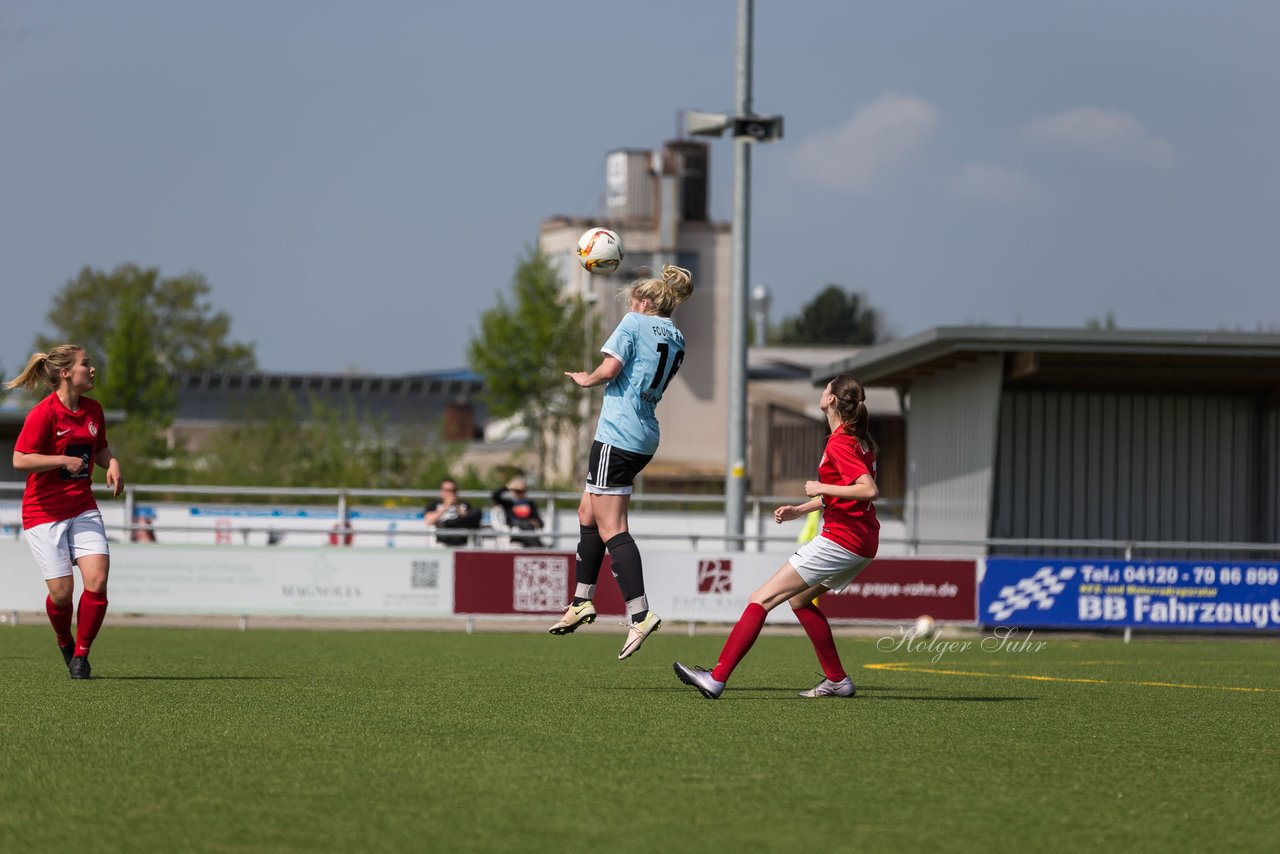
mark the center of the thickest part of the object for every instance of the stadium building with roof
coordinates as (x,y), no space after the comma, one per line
(1075,434)
(443,405)
(1103,436)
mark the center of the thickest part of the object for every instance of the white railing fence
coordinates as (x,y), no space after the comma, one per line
(676,519)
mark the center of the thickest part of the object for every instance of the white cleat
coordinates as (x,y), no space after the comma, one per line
(827,688)
(637,632)
(574,616)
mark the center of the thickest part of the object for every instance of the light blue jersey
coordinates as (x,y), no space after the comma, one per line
(651,349)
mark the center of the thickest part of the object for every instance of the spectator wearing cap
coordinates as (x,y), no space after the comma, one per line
(520,514)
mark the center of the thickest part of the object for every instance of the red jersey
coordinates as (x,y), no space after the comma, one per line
(846,521)
(51,428)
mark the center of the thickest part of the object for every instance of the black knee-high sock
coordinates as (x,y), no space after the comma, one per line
(629,571)
(587,566)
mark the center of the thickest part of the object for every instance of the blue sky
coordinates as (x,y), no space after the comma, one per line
(356,181)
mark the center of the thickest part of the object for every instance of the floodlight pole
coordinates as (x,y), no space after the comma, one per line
(735,486)
(748,129)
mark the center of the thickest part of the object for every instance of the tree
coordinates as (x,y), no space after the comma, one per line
(139,328)
(1108,323)
(833,317)
(138,385)
(187,333)
(523,349)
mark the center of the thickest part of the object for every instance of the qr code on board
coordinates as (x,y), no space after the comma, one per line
(426,574)
(540,583)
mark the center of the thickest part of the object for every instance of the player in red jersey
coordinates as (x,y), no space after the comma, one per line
(63,436)
(845,488)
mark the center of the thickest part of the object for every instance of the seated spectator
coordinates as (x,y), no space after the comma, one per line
(520,514)
(142,531)
(451,512)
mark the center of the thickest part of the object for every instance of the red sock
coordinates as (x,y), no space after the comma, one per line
(60,619)
(744,634)
(93,607)
(819,632)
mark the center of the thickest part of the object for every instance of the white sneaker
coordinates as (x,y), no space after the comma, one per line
(637,632)
(827,688)
(700,679)
(574,616)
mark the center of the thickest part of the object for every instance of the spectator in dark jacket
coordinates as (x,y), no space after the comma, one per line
(451,512)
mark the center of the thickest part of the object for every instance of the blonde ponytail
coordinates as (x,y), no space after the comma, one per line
(47,368)
(675,286)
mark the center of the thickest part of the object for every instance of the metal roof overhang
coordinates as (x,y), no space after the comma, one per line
(1161,360)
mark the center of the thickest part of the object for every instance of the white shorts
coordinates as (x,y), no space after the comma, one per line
(821,561)
(57,545)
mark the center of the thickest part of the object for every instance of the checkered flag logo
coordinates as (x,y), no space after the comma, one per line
(1040,588)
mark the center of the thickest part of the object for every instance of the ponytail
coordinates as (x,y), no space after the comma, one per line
(675,286)
(851,406)
(46,368)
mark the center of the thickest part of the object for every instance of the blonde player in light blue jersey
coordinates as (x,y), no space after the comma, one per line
(640,359)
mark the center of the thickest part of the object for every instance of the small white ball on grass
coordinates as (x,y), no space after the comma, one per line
(926,628)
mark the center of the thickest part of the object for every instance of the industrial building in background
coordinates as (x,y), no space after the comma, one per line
(657,201)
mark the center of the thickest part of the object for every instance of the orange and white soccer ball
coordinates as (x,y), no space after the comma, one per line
(600,250)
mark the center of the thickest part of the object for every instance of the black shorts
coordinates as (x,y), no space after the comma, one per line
(612,470)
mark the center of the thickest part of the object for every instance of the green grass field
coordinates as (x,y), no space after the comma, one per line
(386,741)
